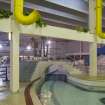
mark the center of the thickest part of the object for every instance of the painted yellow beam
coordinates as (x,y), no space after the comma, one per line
(19,15)
(99,19)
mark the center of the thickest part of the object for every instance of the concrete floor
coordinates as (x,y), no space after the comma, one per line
(7,98)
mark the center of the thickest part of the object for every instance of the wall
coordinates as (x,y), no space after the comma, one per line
(63,48)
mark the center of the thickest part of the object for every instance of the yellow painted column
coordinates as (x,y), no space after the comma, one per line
(14,58)
(93,45)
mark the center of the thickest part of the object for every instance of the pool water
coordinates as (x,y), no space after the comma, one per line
(60,93)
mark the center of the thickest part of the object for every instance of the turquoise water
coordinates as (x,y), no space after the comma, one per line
(65,94)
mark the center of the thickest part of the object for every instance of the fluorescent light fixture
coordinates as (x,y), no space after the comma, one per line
(1,46)
(9,36)
(1,82)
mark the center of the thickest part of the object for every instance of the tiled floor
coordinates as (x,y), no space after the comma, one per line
(7,98)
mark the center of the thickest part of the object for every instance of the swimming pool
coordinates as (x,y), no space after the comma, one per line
(60,93)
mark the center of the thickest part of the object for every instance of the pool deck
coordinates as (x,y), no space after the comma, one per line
(13,99)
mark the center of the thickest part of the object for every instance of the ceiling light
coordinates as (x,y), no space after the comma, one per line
(1,46)
(29,48)
(49,42)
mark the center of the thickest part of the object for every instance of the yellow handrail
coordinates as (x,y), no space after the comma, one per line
(99,19)
(20,17)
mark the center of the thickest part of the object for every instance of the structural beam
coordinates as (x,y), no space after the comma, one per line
(56,32)
(50,31)
(93,45)
(59,32)
(55,21)
(5,25)
(78,5)
(93,59)
(14,59)
(54,12)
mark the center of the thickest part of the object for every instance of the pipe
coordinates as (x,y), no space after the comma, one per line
(20,17)
(99,19)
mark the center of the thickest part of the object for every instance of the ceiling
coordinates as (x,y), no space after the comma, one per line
(63,13)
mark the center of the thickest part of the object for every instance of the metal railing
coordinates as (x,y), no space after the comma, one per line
(4,73)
